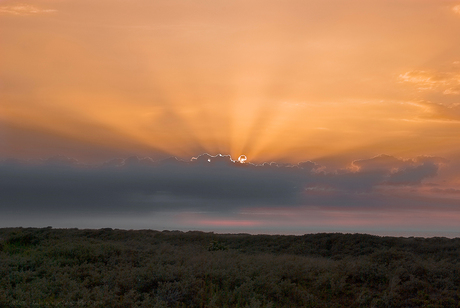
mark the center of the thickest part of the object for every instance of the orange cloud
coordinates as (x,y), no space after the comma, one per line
(24,10)
(445,82)
(439,112)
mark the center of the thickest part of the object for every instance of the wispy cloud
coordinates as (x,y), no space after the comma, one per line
(439,112)
(445,82)
(24,10)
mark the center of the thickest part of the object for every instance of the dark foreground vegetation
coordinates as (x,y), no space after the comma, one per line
(116,268)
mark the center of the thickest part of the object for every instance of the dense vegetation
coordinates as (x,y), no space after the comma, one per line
(117,268)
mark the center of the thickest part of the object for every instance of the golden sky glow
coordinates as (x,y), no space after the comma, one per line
(365,93)
(274,80)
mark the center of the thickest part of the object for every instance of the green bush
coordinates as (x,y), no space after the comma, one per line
(144,268)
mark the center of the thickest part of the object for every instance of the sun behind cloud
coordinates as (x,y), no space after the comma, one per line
(338,114)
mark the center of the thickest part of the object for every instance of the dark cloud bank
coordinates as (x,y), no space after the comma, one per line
(206,183)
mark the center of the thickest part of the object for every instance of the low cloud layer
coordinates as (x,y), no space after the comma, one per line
(206,183)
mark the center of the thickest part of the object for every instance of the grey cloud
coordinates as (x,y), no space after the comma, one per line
(431,159)
(214,183)
(397,171)
(380,162)
(413,174)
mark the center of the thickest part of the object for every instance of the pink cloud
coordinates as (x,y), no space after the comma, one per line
(371,218)
(229,222)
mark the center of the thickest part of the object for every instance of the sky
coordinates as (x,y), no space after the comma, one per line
(133,113)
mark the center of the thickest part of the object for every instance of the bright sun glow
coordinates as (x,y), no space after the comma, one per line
(242,159)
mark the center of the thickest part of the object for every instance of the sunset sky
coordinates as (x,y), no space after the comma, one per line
(133,113)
